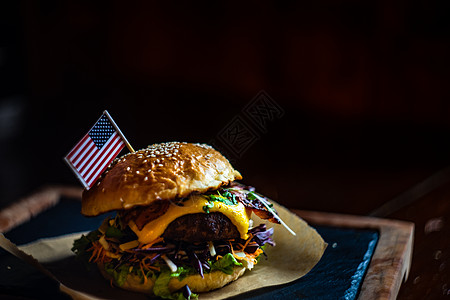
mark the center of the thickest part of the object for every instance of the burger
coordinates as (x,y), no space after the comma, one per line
(182,224)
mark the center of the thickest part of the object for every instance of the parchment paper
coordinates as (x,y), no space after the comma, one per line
(290,259)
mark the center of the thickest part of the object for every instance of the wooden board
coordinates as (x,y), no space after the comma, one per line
(392,258)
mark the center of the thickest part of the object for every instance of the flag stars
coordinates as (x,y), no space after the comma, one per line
(101,132)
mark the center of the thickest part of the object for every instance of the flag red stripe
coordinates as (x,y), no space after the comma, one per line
(86,155)
(106,152)
(95,159)
(109,147)
(106,161)
(105,165)
(83,154)
(87,146)
(92,159)
(75,150)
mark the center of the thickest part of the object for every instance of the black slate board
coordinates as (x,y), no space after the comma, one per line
(338,275)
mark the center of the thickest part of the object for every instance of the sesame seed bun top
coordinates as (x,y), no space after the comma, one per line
(160,172)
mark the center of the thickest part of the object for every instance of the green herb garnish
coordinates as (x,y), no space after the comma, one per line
(208,206)
(226,198)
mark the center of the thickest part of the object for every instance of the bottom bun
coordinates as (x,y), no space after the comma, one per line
(196,283)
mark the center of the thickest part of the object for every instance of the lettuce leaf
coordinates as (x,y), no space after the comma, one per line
(81,245)
(182,272)
(226,264)
(84,242)
(119,274)
(161,287)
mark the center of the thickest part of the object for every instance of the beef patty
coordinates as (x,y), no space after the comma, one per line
(201,227)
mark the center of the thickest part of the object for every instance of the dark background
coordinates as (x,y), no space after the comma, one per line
(364,86)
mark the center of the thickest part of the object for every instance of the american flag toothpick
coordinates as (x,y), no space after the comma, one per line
(95,151)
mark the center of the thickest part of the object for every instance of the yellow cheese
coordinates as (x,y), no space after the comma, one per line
(237,214)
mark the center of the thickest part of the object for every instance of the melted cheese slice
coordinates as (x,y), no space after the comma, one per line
(237,214)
